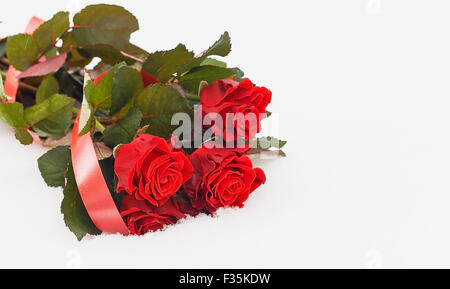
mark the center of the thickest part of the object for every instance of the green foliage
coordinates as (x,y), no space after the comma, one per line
(158,104)
(124,130)
(108,53)
(100,97)
(163,64)
(221,47)
(208,73)
(214,62)
(75,215)
(116,91)
(75,58)
(3,47)
(127,84)
(269,146)
(88,113)
(47,34)
(48,87)
(117,108)
(136,51)
(23,136)
(12,114)
(104,24)
(266,143)
(56,169)
(238,74)
(22,51)
(53,166)
(2,90)
(52,117)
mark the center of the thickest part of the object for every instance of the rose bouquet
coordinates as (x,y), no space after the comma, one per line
(138,140)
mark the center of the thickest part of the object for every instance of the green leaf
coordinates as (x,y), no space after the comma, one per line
(52,117)
(239,74)
(22,51)
(75,58)
(67,83)
(53,166)
(87,110)
(124,130)
(52,52)
(221,47)
(160,126)
(127,84)
(48,87)
(104,24)
(75,215)
(214,62)
(107,53)
(163,64)
(23,136)
(3,47)
(101,96)
(47,34)
(12,114)
(89,121)
(136,51)
(208,73)
(116,89)
(267,143)
(2,90)
(158,104)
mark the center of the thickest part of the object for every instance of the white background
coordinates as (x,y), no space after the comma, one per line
(362,91)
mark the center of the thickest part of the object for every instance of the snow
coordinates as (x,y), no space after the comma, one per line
(363,102)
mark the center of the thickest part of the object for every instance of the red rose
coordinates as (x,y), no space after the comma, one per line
(147,78)
(230,97)
(151,170)
(222,177)
(141,217)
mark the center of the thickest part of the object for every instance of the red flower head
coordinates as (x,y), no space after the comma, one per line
(141,217)
(150,170)
(222,177)
(238,99)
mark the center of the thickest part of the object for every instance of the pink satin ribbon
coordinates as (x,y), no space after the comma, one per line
(92,186)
